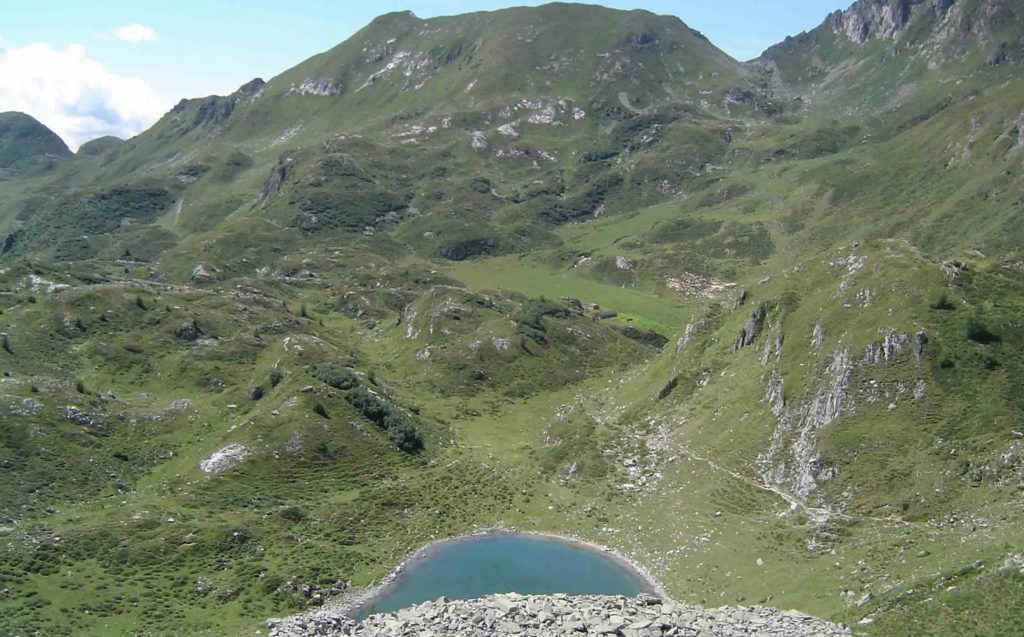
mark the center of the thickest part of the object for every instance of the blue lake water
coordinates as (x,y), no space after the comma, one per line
(501,562)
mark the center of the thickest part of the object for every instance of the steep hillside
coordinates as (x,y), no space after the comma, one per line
(756,327)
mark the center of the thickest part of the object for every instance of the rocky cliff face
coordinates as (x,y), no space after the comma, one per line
(877,39)
(880,18)
(550,615)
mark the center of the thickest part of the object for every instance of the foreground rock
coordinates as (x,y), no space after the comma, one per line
(544,615)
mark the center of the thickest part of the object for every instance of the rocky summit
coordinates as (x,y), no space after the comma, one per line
(557,615)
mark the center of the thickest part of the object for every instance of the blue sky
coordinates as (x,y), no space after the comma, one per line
(91,68)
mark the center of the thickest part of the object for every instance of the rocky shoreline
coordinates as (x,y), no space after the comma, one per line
(559,614)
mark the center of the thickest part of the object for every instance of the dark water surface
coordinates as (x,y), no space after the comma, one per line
(501,562)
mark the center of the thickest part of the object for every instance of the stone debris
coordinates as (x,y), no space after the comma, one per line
(508,130)
(1013,563)
(223,459)
(181,404)
(953,269)
(26,407)
(80,417)
(319,86)
(559,614)
(36,283)
(478,141)
(704,287)
(200,274)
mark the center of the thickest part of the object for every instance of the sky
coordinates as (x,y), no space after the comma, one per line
(88,69)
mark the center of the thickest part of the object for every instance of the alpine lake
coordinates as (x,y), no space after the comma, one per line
(504,562)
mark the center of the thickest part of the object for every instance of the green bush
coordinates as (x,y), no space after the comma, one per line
(647,337)
(400,427)
(275,377)
(336,375)
(559,210)
(293,513)
(943,302)
(530,322)
(978,332)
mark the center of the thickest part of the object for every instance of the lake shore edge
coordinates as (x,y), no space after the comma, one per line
(354,603)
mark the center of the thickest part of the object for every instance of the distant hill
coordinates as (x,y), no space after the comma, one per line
(99,145)
(25,144)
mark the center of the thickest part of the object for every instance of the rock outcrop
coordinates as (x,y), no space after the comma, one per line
(792,460)
(752,329)
(278,174)
(875,19)
(551,615)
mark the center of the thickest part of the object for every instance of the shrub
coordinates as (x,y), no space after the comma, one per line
(367,404)
(559,210)
(293,513)
(275,377)
(943,302)
(530,318)
(978,332)
(647,337)
(400,427)
(406,437)
(336,375)
(480,185)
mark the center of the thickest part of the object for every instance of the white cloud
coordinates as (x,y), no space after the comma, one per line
(74,95)
(135,33)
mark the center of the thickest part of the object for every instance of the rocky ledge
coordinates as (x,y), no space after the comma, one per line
(549,615)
